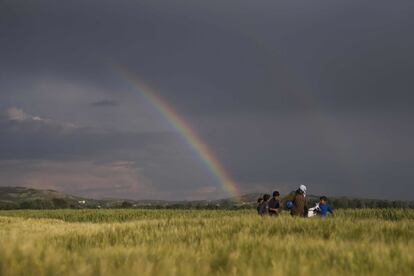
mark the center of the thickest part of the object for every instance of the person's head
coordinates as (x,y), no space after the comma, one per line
(302,188)
(260,200)
(323,200)
(276,194)
(266,197)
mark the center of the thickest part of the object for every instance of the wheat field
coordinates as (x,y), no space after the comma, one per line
(205,242)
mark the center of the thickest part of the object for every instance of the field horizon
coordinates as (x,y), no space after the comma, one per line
(18,197)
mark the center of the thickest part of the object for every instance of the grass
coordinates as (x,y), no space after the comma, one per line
(201,242)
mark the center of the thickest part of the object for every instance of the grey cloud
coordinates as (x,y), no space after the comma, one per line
(161,158)
(25,136)
(105,103)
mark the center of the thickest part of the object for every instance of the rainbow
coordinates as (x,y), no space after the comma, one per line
(192,139)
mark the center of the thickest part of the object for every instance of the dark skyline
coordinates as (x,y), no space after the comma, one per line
(283,92)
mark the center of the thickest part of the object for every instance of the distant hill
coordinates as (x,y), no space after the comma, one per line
(28,198)
(13,194)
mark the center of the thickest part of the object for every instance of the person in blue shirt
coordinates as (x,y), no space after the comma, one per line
(324,207)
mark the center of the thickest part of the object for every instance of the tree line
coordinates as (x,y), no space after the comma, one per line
(336,202)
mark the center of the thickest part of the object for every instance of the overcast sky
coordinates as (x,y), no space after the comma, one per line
(283,92)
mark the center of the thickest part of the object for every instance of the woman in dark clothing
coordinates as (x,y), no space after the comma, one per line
(299,204)
(259,204)
(264,208)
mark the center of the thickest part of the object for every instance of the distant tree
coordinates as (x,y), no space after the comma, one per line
(26,205)
(60,203)
(126,204)
(8,206)
(42,204)
(37,204)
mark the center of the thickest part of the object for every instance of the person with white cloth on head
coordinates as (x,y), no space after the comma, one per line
(296,202)
(303,189)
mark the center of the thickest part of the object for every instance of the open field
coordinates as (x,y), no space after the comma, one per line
(201,242)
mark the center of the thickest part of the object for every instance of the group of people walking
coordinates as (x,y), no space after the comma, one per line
(295,202)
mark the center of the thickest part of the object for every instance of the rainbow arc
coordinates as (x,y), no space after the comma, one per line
(194,141)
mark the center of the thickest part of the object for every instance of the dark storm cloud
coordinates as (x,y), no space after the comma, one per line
(282,91)
(250,59)
(27,136)
(105,103)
